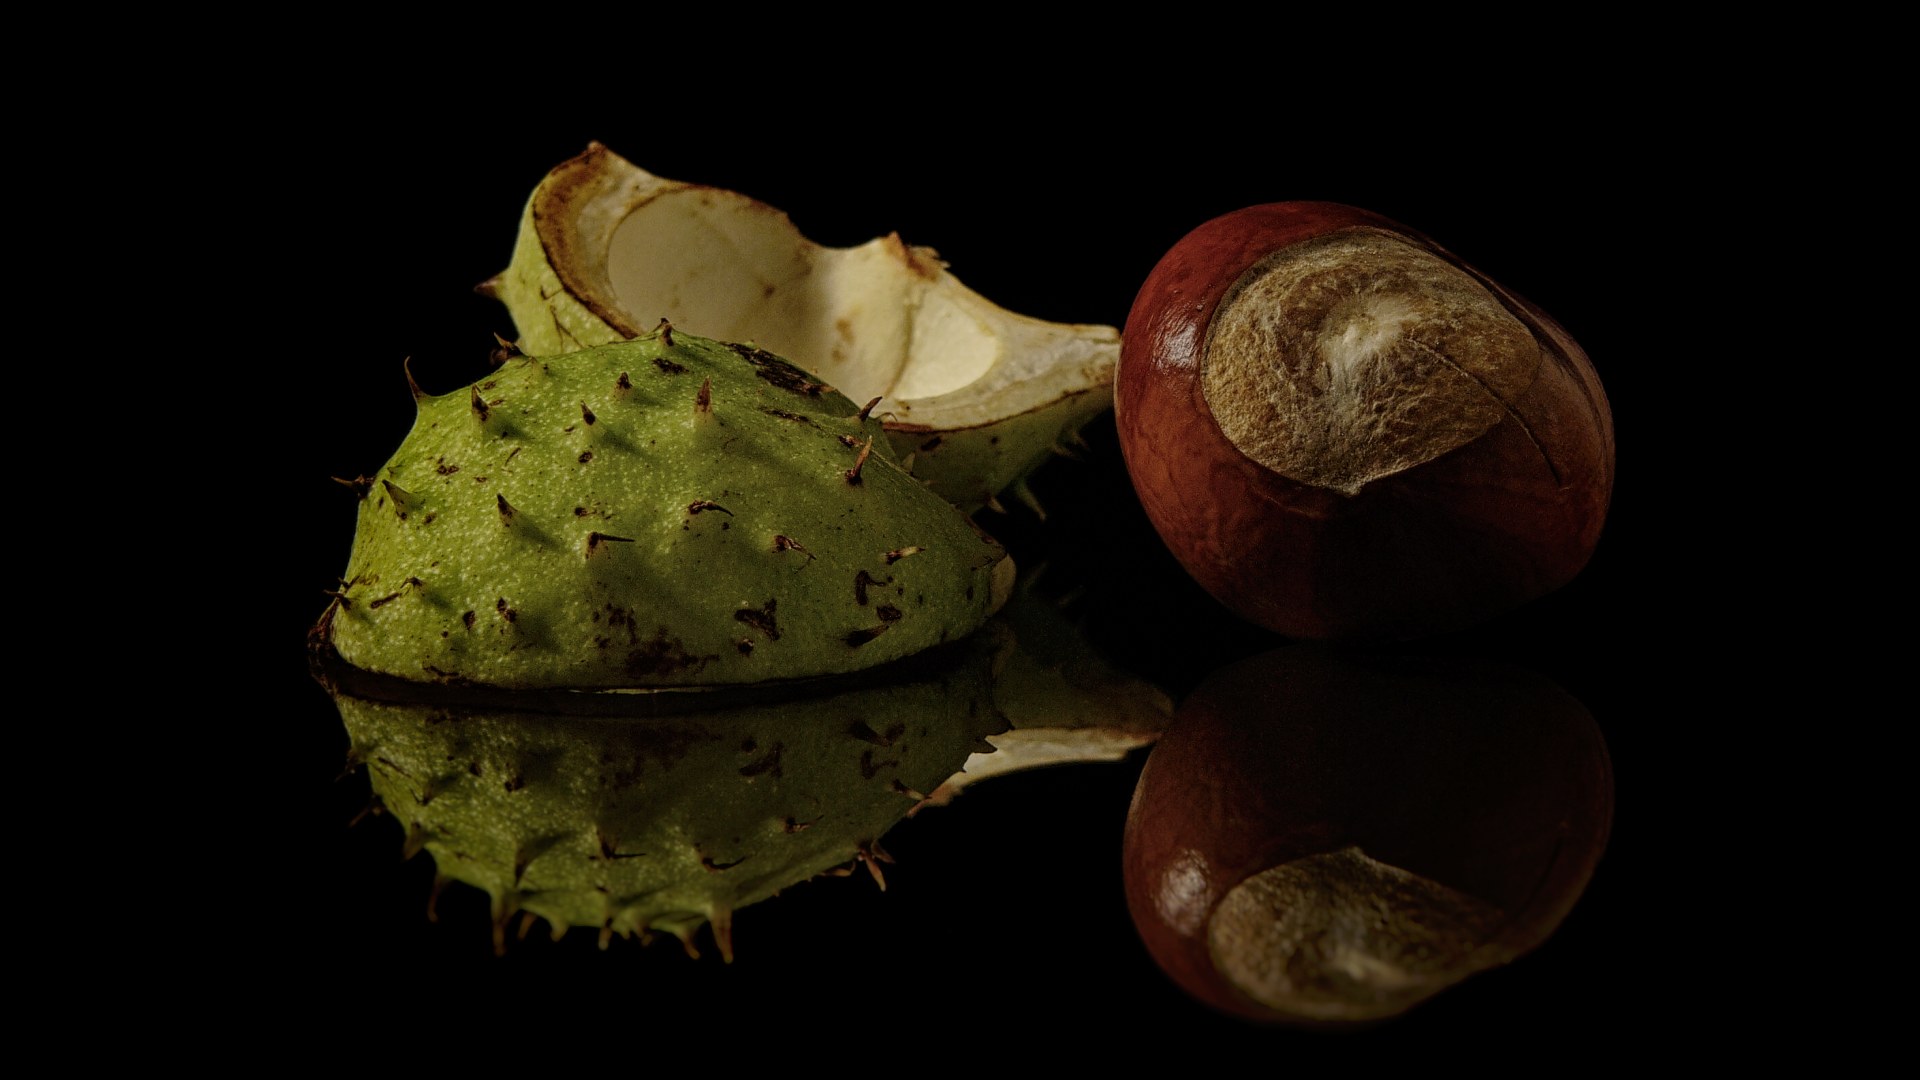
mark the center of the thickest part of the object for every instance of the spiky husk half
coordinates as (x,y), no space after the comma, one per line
(978,395)
(671,511)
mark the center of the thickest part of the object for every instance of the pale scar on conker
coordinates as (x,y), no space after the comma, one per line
(1356,356)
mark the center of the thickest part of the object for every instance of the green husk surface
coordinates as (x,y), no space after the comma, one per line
(670,511)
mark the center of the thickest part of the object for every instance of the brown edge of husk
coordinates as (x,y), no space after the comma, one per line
(337,676)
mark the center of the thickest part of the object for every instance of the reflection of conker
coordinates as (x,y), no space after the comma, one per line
(1329,838)
(1341,430)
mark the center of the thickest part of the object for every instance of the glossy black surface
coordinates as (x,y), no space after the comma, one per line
(1005,908)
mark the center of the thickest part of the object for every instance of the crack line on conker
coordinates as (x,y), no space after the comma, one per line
(1511,411)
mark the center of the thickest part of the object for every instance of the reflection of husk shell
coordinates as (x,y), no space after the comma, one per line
(1064,703)
(663,822)
(979,395)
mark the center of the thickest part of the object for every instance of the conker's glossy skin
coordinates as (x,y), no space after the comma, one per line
(1409,823)
(1512,512)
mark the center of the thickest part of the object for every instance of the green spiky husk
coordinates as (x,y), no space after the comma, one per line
(682,537)
(968,465)
(551,320)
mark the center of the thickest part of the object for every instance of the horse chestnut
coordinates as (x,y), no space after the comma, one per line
(1342,430)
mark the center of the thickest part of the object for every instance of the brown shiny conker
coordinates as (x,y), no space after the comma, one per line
(1343,431)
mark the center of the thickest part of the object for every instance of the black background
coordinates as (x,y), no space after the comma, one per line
(1004,913)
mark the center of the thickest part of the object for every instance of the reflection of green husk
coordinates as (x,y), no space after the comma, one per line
(651,822)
